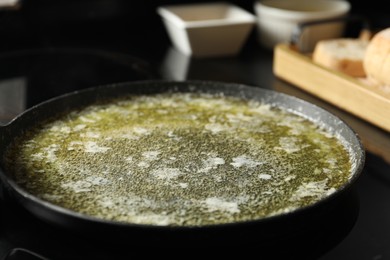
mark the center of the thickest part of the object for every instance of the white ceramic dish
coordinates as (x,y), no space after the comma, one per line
(207,29)
(276,20)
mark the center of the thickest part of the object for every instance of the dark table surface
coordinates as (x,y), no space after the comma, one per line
(144,55)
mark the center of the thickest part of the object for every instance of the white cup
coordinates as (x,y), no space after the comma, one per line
(277,19)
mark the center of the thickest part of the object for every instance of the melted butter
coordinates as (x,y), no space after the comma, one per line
(180,159)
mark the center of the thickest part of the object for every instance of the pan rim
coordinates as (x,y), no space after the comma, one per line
(24,195)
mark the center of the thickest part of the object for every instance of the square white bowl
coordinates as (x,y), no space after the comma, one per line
(207,29)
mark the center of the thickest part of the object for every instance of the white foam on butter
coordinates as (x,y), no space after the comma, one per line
(219,204)
(73,145)
(289,178)
(93,147)
(261,108)
(79,127)
(90,134)
(155,219)
(37,156)
(216,127)
(289,144)
(311,189)
(183,185)
(85,185)
(166,173)
(332,162)
(151,155)
(141,131)
(173,136)
(48,154)
(211,163)
(283,210)
(86,120)
(245,161)
(239,118)
(65,129)
(143,164)
(129,136)
(264,176)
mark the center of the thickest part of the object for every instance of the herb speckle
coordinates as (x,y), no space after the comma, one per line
(179,159)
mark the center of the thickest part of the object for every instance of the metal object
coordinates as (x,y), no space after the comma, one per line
(270,230)
(296,36)
(23,254)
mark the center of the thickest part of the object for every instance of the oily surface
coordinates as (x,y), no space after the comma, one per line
(180,159)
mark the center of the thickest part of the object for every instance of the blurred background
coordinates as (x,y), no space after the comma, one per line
(45,23)
(106,41)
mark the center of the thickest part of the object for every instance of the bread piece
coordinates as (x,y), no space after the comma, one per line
(342,54)
(377,58)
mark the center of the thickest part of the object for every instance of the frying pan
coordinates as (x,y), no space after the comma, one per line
(265,232)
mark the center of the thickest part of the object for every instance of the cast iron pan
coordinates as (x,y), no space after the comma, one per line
(262,233)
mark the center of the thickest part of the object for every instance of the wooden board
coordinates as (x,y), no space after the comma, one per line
(369,102)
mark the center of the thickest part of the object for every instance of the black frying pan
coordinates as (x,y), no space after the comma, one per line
(268,232)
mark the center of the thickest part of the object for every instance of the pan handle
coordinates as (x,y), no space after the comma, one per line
(4,122)
(23,254)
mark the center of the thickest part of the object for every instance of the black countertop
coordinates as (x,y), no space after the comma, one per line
(121,56)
